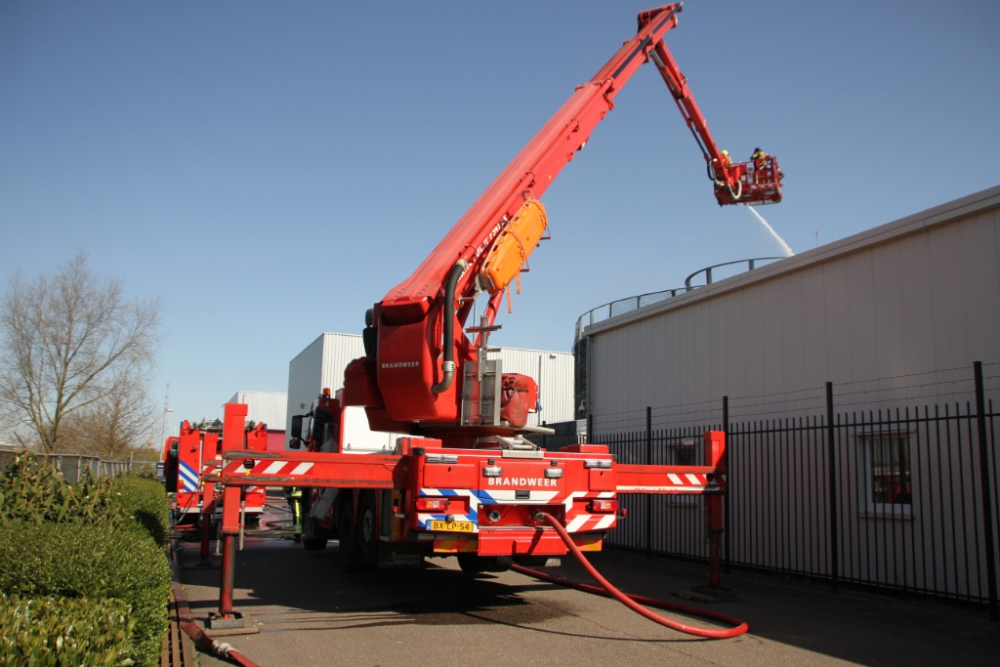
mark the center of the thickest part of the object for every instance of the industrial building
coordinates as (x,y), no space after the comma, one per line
(321,365)
(904,309)
(876,478)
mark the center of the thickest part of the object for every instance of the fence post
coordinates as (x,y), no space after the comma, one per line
(590,428)
(729,479)
(649,497)
(984,467)
(830,445)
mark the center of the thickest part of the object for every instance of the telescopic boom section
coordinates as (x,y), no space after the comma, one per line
(415,346)
(527,176)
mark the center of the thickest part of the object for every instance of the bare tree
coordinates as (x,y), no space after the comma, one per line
(112,426)
(73,348)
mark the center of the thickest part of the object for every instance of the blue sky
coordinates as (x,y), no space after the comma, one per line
(271,170)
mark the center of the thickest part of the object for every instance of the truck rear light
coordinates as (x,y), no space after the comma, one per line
(441,458)
(553,473)
(603,506)
(432,504)
(597,463)
(492,471)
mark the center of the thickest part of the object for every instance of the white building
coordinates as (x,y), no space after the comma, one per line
(893,318)
(266,407)
(321,365)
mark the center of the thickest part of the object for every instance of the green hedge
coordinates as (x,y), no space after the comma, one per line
(93,561)
(99,539)
(34,490)
(50,631)
(144,500)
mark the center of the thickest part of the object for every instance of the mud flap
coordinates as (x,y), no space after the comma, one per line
(323,505)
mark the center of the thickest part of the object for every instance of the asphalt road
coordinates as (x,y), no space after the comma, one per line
(310,613)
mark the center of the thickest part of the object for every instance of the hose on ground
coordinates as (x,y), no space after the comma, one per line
(197,635)
(202,640)
(635,602)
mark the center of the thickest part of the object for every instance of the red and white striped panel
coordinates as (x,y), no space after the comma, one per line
(678,483)
(578,520)
(280,469)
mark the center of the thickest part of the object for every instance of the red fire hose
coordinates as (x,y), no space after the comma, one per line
(202,640)
(635,602)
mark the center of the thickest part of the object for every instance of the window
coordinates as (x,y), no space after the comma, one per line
(886,470)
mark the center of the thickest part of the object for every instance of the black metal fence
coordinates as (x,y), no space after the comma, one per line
(903,499)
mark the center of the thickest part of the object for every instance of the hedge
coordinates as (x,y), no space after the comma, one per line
(33,490)
(144,500)
(50,631)
(93,561)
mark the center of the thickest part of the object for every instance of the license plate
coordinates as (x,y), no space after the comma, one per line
(452,526)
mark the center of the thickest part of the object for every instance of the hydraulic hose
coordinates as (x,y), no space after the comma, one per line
(635,602)
(739,184)
(449,327)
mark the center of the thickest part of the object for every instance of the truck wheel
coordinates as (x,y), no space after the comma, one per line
(500,564)
(350,554)
(314,543)
(368,531)
(475,564)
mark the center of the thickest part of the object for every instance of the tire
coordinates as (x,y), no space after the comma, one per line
(367,531)
(314,543)
(500,564)
(475,564)
(350,554)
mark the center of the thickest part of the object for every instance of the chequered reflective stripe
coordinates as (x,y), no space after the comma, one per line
(187,476)
(509,496)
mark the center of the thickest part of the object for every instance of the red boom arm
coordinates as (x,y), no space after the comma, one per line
(415,343)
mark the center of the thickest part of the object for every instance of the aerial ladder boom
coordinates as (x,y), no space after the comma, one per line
(414,377)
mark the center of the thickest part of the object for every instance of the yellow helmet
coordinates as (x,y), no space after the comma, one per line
(725,152)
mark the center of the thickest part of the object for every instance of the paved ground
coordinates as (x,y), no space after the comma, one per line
(312,614)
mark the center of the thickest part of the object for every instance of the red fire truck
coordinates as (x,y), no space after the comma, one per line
(195,454)
(466,481)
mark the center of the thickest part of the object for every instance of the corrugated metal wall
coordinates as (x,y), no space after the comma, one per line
(894,318)
(305,381)
(323,362)
(917,296)
(264,407)
(553,371)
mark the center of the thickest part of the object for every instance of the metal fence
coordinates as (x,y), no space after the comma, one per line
(627,305)
(903,499)
(73,468)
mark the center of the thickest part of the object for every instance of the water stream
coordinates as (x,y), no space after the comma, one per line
(784,246)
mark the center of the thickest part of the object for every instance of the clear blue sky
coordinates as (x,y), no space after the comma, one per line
(273,169)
